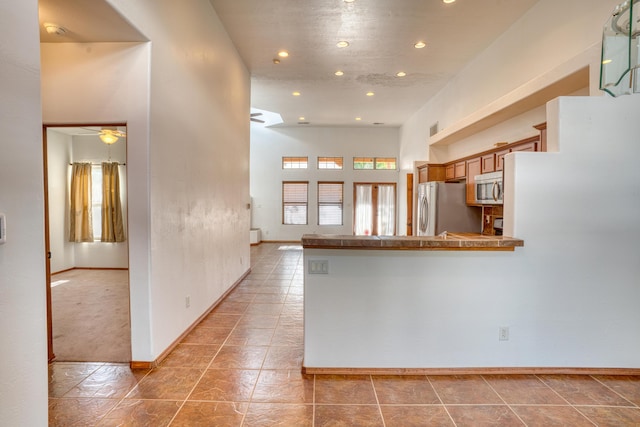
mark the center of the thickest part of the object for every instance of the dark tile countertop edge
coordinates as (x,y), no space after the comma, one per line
(452,241)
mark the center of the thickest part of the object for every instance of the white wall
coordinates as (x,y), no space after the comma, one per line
(23,338)
(199,162)
(109,83)
(569,296)
(185,99)
(269,145)
(59,148)
(551,41)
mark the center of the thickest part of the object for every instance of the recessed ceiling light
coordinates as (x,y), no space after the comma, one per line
(339,73)
(370,93)
(448,1)
(419,45)
(301,118)
(401,74)
(358,119)
(276,61)
(349,1)
(283,54)
(296,93)
(342,43)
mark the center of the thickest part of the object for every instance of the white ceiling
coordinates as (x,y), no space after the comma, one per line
(381,34)
(85,21)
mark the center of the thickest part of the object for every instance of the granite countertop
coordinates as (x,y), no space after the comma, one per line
(450,241)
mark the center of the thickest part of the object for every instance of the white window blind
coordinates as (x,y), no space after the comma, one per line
(294,202)
(330,203)
(295,162)
(330,162)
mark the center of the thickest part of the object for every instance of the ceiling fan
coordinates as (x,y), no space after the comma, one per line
(253,116)
(108,135)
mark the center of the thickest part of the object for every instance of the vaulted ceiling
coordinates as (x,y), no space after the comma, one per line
(381,35)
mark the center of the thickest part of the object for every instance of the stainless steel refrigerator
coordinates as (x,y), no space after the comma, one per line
(443,207)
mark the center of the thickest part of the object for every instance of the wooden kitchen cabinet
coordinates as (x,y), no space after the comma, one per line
(474,167)
(431,172)
(542,127)
(500,159)
(455,171)
(529,146)
(450,172)
(488,162)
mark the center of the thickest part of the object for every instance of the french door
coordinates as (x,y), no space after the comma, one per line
(374,209)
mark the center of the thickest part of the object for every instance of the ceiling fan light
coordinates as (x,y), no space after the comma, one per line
(54,29)
(108,137)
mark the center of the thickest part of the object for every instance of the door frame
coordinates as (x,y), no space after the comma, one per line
(47,244)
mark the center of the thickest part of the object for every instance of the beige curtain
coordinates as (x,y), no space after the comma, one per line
(112,225)
(80,227)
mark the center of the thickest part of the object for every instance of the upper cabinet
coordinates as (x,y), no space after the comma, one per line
(474,167)
(487,161)
(431,172)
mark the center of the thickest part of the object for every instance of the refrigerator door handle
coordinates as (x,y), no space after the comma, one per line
(423,215)
(426,216)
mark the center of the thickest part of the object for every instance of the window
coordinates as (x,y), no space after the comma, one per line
(330,203)
(379,163)
(96,201)
(387,163)
(363,162)
(294,203)
(329,162)
(295,162)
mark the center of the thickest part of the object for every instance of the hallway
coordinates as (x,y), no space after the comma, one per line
(241,367)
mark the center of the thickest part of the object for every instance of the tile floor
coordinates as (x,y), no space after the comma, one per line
(241,367)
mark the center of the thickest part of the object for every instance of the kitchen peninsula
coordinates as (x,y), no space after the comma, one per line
(400,304)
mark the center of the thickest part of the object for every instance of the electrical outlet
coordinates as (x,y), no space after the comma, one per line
(187,301)
(503,333)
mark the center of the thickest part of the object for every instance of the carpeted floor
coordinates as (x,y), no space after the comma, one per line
(90,310)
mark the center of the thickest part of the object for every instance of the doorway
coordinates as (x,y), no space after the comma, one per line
(374,209)
(88,310)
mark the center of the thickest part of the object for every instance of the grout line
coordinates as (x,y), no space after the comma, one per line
(613,390)
(375,393)
(441,401)
(502,398)
(563,398)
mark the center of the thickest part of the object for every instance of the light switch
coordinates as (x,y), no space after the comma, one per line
(318,266)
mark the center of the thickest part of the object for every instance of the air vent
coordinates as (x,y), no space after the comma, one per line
(378,123)
(303,123)
(433,129)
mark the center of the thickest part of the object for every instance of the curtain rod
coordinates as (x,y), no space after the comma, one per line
(98,164)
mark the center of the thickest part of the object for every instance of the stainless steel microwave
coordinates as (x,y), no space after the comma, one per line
(489,188)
